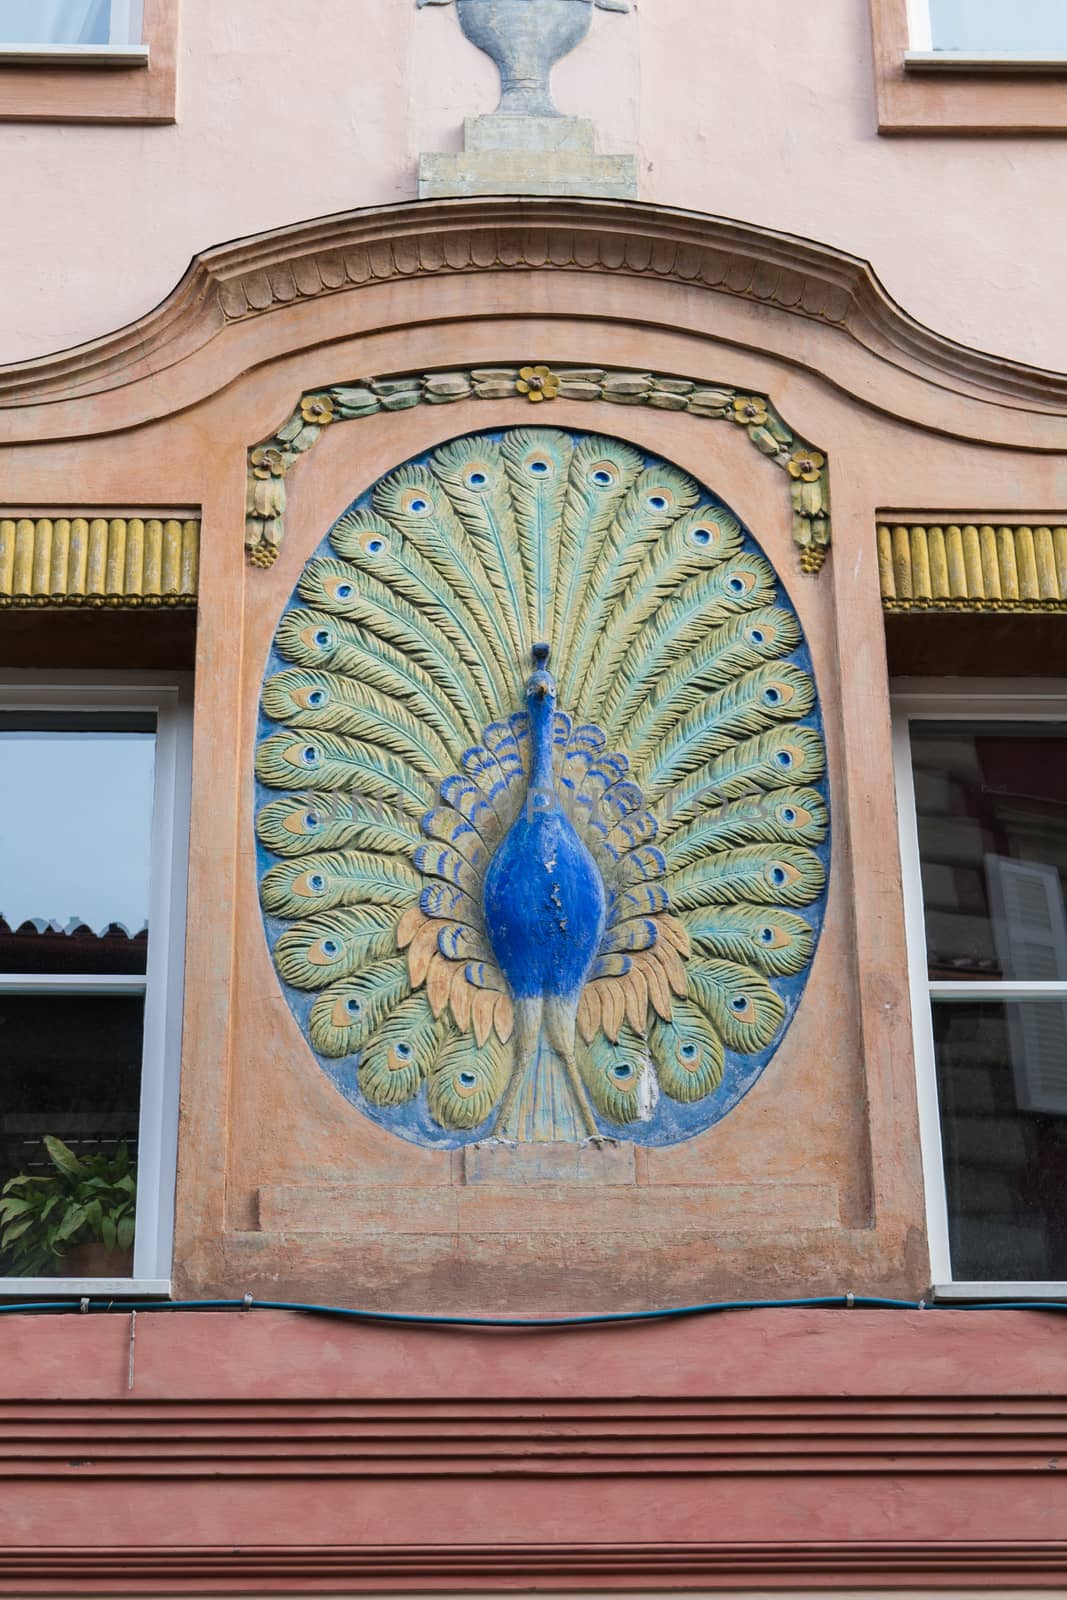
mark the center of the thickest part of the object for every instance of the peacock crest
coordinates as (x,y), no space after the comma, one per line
(546,854)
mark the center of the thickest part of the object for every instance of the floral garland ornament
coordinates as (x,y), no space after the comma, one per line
(270,460)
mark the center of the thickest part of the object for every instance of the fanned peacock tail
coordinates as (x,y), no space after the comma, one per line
(544,904)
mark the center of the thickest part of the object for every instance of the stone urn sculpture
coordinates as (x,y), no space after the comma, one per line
(525,38)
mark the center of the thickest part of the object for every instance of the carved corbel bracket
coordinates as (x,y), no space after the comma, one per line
(270,461)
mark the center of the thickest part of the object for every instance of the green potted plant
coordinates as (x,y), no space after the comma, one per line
(77,1221)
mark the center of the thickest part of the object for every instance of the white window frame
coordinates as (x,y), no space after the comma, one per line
(123,49)
(922,57)
(993,700)
(169,696)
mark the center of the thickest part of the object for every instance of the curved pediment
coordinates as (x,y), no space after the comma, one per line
(799,285)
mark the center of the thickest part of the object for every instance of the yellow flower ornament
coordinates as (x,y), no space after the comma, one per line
(805,465)
(537,383)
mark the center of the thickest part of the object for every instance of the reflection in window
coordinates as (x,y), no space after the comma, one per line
(76,804)
(1024,26)
(70,22)
(991,813)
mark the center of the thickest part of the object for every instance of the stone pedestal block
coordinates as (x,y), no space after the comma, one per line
(527,155)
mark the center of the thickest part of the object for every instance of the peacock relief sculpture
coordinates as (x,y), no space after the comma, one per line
(543,831)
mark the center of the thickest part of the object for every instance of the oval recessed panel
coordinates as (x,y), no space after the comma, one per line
(542,818)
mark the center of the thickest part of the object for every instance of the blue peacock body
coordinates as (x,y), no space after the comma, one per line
(543,833)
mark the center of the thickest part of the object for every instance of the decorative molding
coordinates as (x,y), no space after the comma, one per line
(270,460)
(702,1436)
(959,565)
(776,271)
(247,1568)
(104,561)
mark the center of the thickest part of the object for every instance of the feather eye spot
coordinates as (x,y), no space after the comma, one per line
(309,755)
(465,1084)
(476,478)
(757,636)
(322,638)
(342,590)
(354,1008)
(372,544)
(623,1071)
(689,1056)
(604,476)
(316,883)
(788,814)
(658,502)
(784,758)
(538,466)
(314,698)
(741,1005)
(702,536)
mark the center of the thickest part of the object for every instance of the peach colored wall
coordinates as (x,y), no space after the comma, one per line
(290,112)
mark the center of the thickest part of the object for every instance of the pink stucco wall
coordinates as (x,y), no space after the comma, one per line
(287,112)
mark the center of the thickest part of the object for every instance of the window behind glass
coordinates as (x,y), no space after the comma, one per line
(991,810)
(70,22)
(76,806)
(1024,26)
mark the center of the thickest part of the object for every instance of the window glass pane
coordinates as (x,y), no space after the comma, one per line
(72,22)
(71,1068)
(76,794)
(1023,25)
(1002,1086)
(991,800)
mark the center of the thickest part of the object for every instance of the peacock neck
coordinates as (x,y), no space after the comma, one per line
(542,710)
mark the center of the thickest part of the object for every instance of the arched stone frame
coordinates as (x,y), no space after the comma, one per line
(163,415)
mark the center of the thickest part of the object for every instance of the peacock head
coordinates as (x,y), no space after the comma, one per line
(540,685)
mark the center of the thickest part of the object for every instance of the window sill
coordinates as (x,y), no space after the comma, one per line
(985,61)
(954,1293)
(82,1288)
(95,83)
(73,55)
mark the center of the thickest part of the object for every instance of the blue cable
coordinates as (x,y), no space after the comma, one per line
(596,1319)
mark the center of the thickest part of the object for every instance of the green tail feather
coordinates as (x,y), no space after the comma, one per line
(774,760)
(413,501)
(779,817)
(338,878)
(400,1054)
(738,1002)
(687,1052)
(430,635)
(658,497)
(602,472)
(298,824)
(739,646)
(537,462)
(332,945)
(305,699)
(705,602)
(774,941)
(701,539)
(759,874)
(619,1077)
(344,1016)
(315,639)
(465,1083)
(332,762)
(472,474)
(775,693)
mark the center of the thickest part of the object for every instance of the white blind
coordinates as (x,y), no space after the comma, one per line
(1030,932)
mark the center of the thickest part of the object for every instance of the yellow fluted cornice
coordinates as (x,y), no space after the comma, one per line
(963,565)
(105,561)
